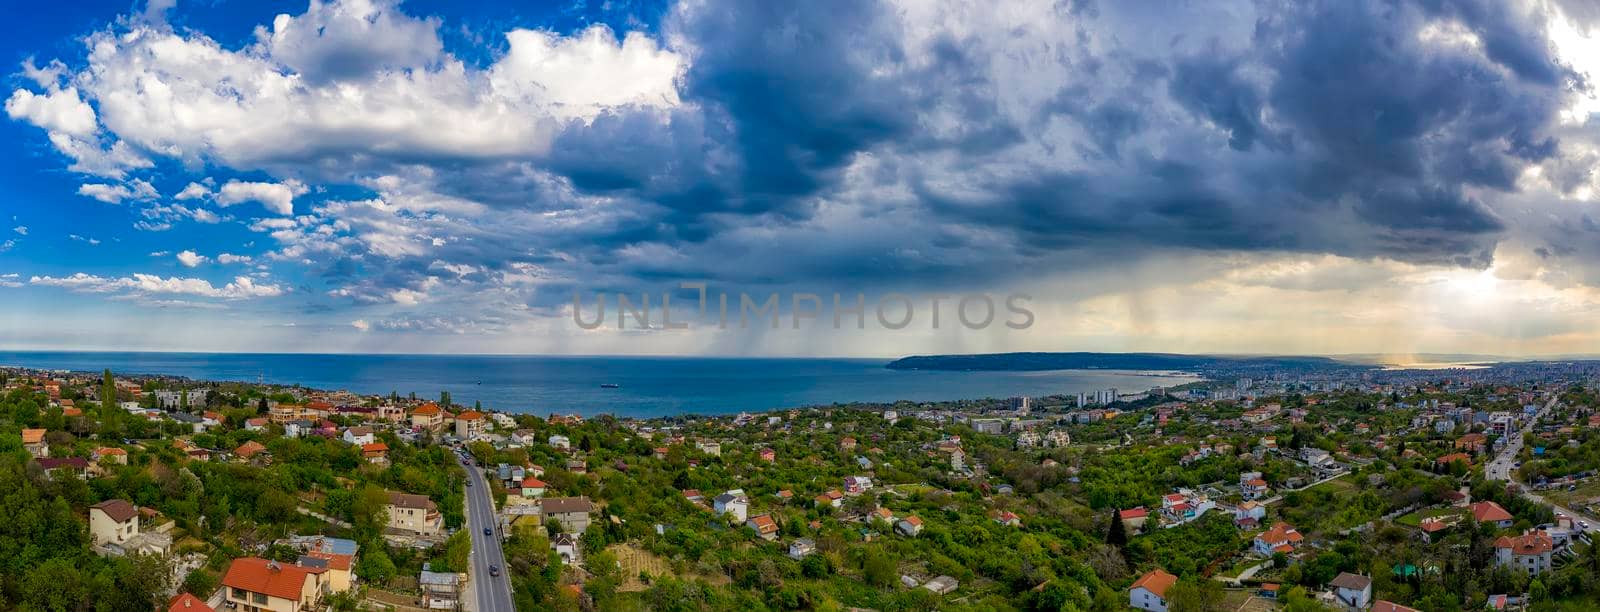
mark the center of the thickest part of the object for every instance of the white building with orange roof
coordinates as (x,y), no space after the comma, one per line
(1149,592)
(1530,552)
(427,416)
(1281,538)
(471,424)
(33,440)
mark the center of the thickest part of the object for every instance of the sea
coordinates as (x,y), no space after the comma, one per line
(645,387)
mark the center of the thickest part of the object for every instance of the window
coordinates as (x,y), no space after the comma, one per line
(239,593)
(260,598)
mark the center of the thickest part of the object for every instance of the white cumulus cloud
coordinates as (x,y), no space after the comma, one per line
(277,197)
(242,287)
(136,189)
(190,259)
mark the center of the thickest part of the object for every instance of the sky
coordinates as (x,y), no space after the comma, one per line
(1229,176)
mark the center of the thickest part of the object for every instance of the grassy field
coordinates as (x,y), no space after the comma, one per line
(1414,519)
(1577,500)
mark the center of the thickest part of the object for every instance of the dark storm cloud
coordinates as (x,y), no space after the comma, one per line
(1338,127)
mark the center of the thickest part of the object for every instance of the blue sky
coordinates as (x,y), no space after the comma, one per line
(1231,176)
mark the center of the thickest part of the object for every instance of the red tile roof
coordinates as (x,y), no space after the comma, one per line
(1531,543)
(1134,513)
(257,575)
(119,510)
(185,602)
(33,436)
(1488,511)
(1157,581)
(249,449)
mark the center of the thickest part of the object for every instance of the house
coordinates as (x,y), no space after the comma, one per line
(427,416)
(1250,510)
(359,436)
(764,526)
(1008,518)
(883,514)
(414,514)
(1474,443)
(249,450)
(256,424)
(732,503)
(1490,512)
(184,602)
(253,583)
(1352,590)
(111,454)
(577,466)
(832,498)
(1445,461)
(471,424)
(33,440)
(1252,486)
(1389,606)
(560,442)
(856,485)
(113,522)
(801,547)
(336,568)
(440,590)
(1529,552)
(1280,538)
(1149,592)
(709,447)
(768,455)
(375,452)
(566,547)
(74,466)
(571,512)
(1134,518)
(1433,526)
(847,444)
(392,414)
(942,585)
(694,496)
(909,526)
(533,487)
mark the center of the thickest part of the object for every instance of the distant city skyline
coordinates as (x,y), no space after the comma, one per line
(1232,177)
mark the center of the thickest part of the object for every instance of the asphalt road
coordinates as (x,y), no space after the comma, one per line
(493,592)
(1504,463)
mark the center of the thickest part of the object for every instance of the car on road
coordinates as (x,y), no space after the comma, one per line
(469,483)
(494,570)
(488,531)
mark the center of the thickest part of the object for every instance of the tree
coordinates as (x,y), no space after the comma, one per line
(444,400)
(1537,590)
(108,392)
(375,566)
(1194,595)
(1117,535)
(878,568)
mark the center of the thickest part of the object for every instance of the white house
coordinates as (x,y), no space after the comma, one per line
(732,503)
(801,547)
(1352,590)
(1529,553)
(359,436)
(1149,592)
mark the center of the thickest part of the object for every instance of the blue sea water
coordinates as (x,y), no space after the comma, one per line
(646,386)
